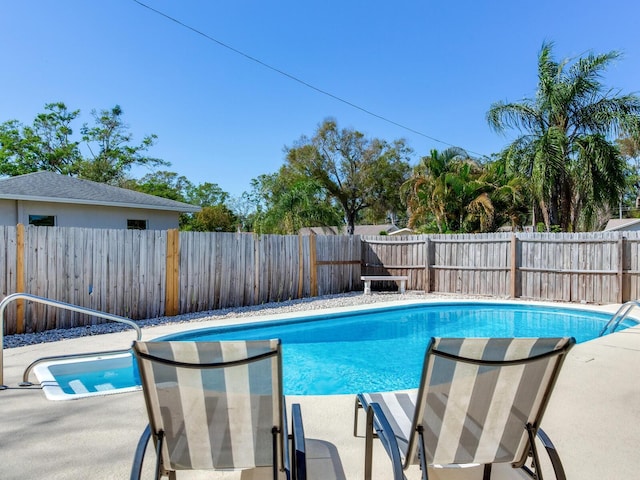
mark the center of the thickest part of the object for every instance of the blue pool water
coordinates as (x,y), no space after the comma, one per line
(381,349)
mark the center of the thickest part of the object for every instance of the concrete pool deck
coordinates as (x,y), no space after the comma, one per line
(593,417)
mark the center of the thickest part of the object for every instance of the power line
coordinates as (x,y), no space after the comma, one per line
(296,79)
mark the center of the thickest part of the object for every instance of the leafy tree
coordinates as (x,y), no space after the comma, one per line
(629,146)
(111,153)
(358,173)
(164,184)
(303,204)
(564,145)
(261,191)
(48,144)
(45,145)
(215,215)
(206,194)
(214,218)
(286,201)
(630,149)
(243,209)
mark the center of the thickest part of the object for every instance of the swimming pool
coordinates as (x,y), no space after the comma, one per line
(366,350)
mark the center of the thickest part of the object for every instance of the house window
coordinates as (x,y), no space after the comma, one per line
(136,224)
(42,220)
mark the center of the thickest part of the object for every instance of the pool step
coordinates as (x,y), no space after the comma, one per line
(105,387)
(78,387)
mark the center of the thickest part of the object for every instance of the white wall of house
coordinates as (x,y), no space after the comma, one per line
(13,212)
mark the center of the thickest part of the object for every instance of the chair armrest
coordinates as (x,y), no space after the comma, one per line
(553,455)
(136,468)
(298,453)
(377,420)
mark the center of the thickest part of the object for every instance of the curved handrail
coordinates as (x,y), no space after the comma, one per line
(55,303)
(619,316)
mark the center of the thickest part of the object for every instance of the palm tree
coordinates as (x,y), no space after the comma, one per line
(564,146)
(509,194)
(444,189)
(426,189)
(630,149)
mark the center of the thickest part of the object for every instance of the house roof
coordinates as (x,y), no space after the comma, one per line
(621,224)
(53,187)
(374,229)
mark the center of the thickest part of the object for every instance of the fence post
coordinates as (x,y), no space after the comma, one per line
(313,265)
(257,268)
(300,265)
(172,290)
(19,277)
(620,274)
(427,263)
(514,266)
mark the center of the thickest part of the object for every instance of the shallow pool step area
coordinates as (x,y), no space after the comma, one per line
(92,376)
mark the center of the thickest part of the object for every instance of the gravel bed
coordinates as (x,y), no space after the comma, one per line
(299,305)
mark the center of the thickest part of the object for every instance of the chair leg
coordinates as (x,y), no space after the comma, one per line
(299,448)
(368,445)
(274,450)
(487,472)
(136,468)
(356,409)
(159,468)
(384,432)
(423,458)
(556,463)
(534,453)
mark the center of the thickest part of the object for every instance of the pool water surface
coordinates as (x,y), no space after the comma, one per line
(382,349)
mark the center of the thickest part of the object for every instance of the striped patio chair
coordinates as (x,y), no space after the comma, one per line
(217,406)
(480,402)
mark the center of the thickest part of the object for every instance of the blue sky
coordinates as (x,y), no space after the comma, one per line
(434,66)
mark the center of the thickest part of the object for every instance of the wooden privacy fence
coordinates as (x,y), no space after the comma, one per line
(146,274)
(597,267)
(227,270)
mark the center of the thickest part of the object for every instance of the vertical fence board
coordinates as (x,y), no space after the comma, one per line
(11,266)
(173,271)
(20,280)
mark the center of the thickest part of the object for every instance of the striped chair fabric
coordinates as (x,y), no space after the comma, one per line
(475,399)
(216,402)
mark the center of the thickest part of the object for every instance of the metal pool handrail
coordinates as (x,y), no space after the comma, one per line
(54,303)
(619,316)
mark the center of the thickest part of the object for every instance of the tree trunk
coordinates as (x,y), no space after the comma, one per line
(545,215)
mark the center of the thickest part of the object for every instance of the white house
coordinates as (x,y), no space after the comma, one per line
(623,224)
(50,199)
